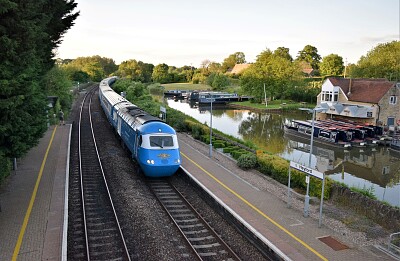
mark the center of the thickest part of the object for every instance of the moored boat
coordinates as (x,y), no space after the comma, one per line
(322,134)
(337,133)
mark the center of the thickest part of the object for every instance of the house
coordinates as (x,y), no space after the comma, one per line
(365,101)
(239,68)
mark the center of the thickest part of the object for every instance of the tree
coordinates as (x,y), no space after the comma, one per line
(56,83)
(96,67)
(332,65)
(283,52)
(277,73)
(231,60)
(160,73)
(383,61)
(310,55)
(30,31)
(136,70)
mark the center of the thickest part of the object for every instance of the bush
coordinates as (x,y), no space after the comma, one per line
(237,153)
(5,167)
(219,144)
(247,161)
(229,149)
(278,168)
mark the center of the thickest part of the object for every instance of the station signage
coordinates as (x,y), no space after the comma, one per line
(307,170)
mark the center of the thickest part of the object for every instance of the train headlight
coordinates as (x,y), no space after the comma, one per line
(150,162)
(177,161)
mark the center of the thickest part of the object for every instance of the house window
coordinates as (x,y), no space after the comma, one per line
(369,114)
(336,96)
(393,100)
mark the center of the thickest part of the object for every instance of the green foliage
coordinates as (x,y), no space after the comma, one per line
(5,166)
(232,60)
(368,192)
(284,53)
(278,74)
(219,144)
(247,161)
(56,83)
(383,61)
(310,55)
(332,65)
(136,71)
(95,67)
(136,91)
(278,168)
(199,78)
(30,32)
(155,89)
(160,74)
(217,81)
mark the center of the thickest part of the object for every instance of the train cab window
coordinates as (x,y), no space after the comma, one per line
(140,141)
(161,141)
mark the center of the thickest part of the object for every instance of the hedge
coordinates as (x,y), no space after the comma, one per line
(278,168)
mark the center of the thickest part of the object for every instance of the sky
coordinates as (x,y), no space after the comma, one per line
(185,32)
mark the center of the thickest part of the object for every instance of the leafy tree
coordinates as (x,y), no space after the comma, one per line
(383,61)
(204,67)
(283,52)
(96,67)
(56,83)
(137,71)
(214,67)
(198,78)
(30,31)
(310,55)
(231,60)
(332,65)
(160,74)
(277,73)
(217,81)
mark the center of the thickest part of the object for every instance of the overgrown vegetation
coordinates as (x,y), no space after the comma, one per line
(30,31)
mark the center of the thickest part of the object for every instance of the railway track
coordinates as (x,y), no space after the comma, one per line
(94,229)
(201,238)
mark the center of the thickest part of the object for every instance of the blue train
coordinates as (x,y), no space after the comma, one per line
(152,142)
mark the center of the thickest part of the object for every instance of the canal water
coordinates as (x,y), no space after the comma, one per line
(375,169)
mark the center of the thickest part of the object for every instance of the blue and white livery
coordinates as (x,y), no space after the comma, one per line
(152,142)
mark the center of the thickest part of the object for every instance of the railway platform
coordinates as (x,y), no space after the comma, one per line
(33,201)
(268,216)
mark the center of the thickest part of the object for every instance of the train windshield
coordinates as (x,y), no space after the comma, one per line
(161,141)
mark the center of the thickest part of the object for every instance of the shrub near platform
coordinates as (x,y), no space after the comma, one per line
(278,168)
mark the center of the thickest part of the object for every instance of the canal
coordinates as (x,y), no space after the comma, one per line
(375,169)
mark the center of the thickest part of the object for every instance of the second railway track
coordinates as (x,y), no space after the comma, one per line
(100,236)
(203,240)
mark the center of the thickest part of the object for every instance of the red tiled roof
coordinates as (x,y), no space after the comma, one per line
(363,90)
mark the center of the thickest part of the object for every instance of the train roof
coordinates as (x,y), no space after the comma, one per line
(156,127)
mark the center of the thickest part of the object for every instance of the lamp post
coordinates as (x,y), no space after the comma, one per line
(307,197)
(211,99)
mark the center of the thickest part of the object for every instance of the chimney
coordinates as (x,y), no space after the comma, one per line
(348,94)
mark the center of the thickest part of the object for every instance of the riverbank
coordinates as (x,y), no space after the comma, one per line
(272,106)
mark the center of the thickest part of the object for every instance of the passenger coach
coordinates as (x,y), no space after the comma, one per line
(152,142)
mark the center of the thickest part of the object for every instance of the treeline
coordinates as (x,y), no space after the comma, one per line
(30,31)
(282,75)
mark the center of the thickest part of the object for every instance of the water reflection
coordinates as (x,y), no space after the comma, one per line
(370,168)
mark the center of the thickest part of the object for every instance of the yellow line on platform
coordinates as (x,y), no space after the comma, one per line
(33,197)
(257,210)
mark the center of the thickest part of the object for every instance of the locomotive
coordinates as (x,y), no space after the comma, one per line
(152,142)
